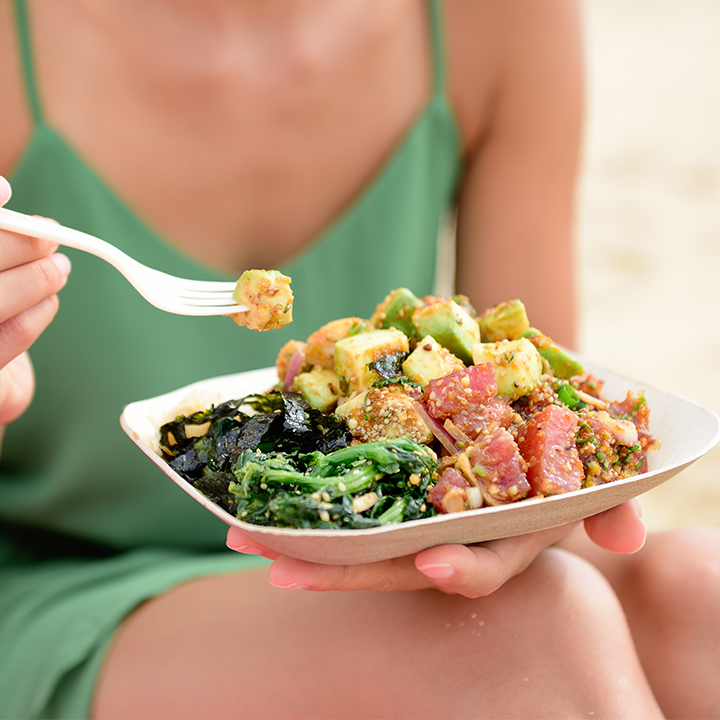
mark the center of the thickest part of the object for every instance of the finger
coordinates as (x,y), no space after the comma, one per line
(479,570)
(17,250)
(20,249)
(19,332)
(238,541)
(386,576)
(24,286)
(17,383)
(471,571)
(5,191)
(620,529)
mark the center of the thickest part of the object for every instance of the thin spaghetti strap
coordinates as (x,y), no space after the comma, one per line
(437,29)
(23,33)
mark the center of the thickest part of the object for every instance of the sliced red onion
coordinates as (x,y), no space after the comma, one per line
(294,367)
(436,428)
(456,433)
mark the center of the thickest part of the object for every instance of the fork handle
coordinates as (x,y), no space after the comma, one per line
(47,230)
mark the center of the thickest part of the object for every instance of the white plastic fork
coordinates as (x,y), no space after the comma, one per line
(167,292)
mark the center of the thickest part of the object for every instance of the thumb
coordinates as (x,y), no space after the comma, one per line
(5,190)
(620,529)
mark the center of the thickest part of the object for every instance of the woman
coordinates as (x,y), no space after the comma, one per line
(330,139)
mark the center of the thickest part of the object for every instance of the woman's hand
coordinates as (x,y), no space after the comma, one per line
(472,571)
(31,274)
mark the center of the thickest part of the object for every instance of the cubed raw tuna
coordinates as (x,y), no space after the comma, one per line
(460,389)
(498,466)
(547,442)
(448,494)
(481,418)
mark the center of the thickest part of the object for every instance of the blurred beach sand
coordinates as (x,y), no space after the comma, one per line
(649,216)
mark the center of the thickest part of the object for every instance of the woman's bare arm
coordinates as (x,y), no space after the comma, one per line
(516,207)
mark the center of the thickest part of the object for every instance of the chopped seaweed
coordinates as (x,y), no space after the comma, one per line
(389,366)
(272,459)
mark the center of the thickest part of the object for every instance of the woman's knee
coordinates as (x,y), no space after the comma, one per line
(577,601)
(574,638)
(671,594)
(677,572)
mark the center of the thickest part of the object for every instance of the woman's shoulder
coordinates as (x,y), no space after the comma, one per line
(499,48)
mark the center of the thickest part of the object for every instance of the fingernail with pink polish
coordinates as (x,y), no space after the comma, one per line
(245,549)
(288,586)
(282,577)
(442,571)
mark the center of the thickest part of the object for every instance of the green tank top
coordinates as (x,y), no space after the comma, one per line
(67,467)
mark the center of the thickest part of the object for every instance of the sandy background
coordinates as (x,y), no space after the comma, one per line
(649,221)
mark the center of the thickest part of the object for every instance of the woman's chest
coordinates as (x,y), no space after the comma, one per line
(253,175)
(242,158)
(244,155)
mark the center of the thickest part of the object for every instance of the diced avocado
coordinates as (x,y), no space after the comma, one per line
(517,363)
(267,297)
(464,302)
(506,321)
(354,354)
(320,346)
(396,310)
(321,388)
(351,405)
(561,362)
(451,325)
(430,360)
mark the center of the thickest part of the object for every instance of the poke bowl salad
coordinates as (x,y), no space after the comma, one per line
(426,408)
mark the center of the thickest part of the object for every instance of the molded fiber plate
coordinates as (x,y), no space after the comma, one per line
(686,432)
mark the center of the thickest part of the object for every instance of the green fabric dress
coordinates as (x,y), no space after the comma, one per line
(89,527)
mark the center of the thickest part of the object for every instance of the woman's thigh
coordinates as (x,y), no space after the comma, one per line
(552,642)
